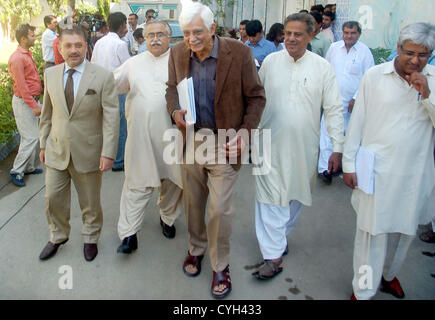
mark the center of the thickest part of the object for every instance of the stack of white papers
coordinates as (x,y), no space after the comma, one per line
(186,99)
(365,170)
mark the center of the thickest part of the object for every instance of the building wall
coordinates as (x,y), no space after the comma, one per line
(382,19)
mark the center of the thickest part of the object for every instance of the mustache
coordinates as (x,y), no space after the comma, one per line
(195,42)
(156,43)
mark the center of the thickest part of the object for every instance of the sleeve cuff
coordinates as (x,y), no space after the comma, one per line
(338,148)
(349,167)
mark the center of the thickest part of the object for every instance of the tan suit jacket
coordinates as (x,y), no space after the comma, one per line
(92,128)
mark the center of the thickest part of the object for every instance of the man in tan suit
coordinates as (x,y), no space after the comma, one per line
(228,95)
(78,136)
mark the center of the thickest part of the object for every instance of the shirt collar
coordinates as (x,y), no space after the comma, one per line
(355,46)
(214,51)
(50,31)
(22,50)
(80,68)
(259,44)
(113,35)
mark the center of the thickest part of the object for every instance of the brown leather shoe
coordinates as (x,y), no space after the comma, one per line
(393,287)
(50,250)
(90,251)
(352,297)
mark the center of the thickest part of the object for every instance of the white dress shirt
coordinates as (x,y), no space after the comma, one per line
(349,67)
(47,45)
(110,52)
(77,75)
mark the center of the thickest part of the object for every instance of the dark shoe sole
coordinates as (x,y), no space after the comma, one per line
(166,234)
(262,277)
(384,290)
(125,250)
(221,295)
(54,252)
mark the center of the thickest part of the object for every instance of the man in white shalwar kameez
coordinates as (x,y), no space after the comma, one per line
(143,78)
(297,84)
(393,117)
(350,59)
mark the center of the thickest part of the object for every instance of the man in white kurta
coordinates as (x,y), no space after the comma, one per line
(297,84)
(143,78)
(394,117)
(350,59)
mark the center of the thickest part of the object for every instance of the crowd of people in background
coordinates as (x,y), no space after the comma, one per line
(110,92)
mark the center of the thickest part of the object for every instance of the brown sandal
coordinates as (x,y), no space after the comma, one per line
(268,269)
(221,278)
(193,261)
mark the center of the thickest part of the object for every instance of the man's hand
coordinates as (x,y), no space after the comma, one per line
(350,106)
(419,82)
(235,147)
(37,111)
(334,163)
(105,164)
(350,180)
(42,156)
(179,119)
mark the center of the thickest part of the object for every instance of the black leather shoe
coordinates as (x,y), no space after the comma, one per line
(128,244)
(118,169)
(50,250)
(168,231)
(90,251)
(326,177)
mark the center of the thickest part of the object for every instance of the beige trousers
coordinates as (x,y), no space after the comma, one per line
(58,198)
(27,158)
(221,179)
(134,202)
(375,256)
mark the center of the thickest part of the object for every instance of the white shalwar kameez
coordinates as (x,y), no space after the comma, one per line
(349,68)
(295,93)
(391,119)
(143,78)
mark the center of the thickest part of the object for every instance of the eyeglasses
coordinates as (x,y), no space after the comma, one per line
(412,54)
(152,35)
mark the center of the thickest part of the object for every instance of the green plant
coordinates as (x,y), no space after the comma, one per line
(219,13)
(59,7)
(37,57)
(85,7)
(104,8)
(7,121)
(380,55)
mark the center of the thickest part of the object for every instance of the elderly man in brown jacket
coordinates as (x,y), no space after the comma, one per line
(228,95)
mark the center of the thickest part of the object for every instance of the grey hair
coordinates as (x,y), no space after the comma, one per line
(191,9)
(351,25)
(421,33)
(303,17)
(168,28)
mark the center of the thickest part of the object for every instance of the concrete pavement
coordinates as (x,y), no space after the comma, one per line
(319,264)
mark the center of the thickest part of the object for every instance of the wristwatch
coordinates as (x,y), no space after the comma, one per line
(173,113)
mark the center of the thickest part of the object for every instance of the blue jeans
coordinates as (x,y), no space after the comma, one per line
(119,161)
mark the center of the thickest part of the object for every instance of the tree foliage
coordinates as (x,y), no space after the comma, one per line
(104,8)
(15,12)
(59,7)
